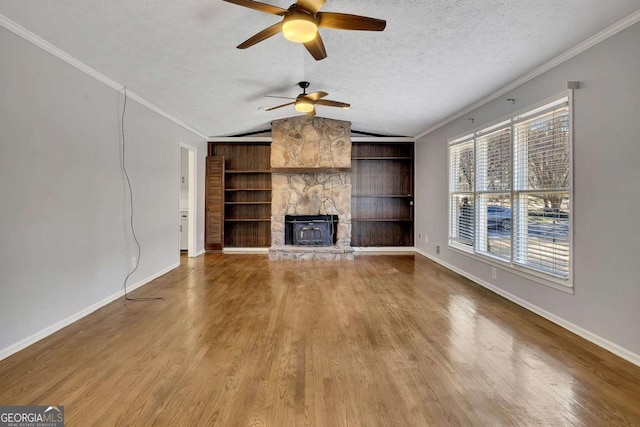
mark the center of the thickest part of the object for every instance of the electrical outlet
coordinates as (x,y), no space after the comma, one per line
(438,249)
(494,272)
(426,238)
(419,236)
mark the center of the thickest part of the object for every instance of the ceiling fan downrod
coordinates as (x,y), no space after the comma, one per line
(304,86)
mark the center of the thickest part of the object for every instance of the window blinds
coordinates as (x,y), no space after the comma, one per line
(509,190)
(541,234)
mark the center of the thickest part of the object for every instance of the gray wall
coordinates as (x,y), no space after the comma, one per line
(64,237)
(606,191)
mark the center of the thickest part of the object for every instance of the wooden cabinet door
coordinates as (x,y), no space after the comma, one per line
(214,204)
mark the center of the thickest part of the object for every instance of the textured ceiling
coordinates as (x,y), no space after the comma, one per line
(435,57)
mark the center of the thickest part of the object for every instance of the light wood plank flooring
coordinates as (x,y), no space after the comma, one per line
(380,341)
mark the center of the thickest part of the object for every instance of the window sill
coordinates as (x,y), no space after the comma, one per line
(565,286)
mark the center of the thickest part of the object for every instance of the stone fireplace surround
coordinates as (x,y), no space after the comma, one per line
(310,164)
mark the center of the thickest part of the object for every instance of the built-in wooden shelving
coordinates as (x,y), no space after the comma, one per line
(382,194)
(381,203)
(247,193)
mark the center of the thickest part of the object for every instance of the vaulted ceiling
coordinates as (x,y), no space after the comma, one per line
(434,58)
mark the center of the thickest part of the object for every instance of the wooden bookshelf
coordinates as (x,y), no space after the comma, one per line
(247,193)
(382,194)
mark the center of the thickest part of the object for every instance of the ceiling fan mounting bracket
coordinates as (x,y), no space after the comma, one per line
(304,86)
(294,8)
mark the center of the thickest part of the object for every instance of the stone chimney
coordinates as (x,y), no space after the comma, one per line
(311,175)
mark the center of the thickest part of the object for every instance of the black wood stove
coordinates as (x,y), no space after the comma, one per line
(310,230)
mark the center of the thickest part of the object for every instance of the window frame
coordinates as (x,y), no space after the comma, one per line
(538,276)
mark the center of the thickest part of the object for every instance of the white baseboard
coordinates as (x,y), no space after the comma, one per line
(245,250)
(614,348)
(199,253)
(22,344)
(397,250)
(356,249)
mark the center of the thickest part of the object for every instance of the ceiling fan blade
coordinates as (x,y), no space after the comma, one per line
(282,97)
(344,21)
(316,48)
(262,7)
(315,95)
(311,5)
(329,103)
(280,106)
(262,35)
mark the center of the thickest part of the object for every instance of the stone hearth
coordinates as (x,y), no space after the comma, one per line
(309,151)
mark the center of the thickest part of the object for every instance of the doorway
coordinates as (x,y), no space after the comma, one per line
(187,199)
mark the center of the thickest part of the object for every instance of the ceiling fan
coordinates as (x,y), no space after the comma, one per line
(305,102)
(301,22)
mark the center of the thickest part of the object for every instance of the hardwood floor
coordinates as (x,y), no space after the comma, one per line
(382,340)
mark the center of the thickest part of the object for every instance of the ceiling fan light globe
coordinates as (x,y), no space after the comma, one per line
(299,28)
(303,106)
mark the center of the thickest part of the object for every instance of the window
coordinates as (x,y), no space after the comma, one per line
(509,191)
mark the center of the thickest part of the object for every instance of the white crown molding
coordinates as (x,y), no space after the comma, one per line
(579,48)
(614,348)
(79,65)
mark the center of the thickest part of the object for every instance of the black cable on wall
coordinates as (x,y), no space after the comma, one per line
(133,230)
